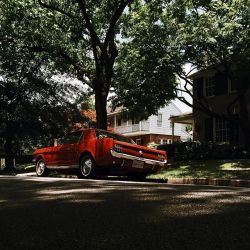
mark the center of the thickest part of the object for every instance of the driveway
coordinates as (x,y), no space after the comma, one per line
(58,213)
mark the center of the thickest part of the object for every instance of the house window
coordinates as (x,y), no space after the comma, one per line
(163,141)
(209,86)
(159,120)
(138,141)
(222,130)
(169,141)
(119,121)
(198,86)
(135,120)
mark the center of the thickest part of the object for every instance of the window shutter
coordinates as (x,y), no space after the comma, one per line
(198,84)
(234,129)
(221,84)
(209,129)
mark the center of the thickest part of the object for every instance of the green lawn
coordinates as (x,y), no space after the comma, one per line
(226,169)
(23,168)
(26,167)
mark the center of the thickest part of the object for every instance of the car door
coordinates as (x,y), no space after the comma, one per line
(68,151)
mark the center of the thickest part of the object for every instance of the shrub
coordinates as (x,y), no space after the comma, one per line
(198,151)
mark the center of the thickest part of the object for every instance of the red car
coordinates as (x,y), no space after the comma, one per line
(89,151)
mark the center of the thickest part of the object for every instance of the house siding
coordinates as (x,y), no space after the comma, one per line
(166,128)
(149,128)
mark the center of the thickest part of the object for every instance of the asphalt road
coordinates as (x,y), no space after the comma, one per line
(58,213)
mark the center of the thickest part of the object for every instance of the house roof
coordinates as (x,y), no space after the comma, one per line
(211,69)
(120,109)
(114,112)
(184,118)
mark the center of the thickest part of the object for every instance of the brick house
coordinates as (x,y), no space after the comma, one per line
(213,89)
(156,129)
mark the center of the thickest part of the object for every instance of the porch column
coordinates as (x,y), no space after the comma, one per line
(193,133)
(114,121)
(172,123)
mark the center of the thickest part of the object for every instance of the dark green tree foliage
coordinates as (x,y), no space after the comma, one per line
(216,34)
(82,38)
(79,36)
(131,45)
(34,106)
(144,79)
(33,110)
(161,37)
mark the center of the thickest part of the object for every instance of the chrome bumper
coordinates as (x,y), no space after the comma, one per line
(131,157)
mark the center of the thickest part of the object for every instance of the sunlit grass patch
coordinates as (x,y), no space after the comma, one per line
(228,169)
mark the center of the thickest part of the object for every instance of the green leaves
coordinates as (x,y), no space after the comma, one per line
(155,39)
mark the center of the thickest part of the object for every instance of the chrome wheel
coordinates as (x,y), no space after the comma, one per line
(41,168)
(87,166)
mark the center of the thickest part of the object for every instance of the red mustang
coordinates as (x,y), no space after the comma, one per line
(88,151)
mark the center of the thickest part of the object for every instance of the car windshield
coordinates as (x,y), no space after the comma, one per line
(106,134)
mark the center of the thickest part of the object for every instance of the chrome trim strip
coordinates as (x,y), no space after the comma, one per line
(131,157)
(61,167)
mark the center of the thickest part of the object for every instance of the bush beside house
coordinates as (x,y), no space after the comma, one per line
(198,151)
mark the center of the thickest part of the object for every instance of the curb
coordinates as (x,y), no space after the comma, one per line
(185,181)
(209,182)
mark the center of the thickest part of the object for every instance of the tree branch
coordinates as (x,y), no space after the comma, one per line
(114,20)
(54,8)
(94,37)
(199,105)
(61,53)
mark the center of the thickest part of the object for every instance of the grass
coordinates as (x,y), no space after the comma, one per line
(23,168)
(224,169)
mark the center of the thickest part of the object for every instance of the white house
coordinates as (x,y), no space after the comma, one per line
(157,128)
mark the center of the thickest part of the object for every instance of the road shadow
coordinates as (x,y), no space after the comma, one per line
(54,213)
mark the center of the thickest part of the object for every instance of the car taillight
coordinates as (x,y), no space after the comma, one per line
(161,157)
(118,148)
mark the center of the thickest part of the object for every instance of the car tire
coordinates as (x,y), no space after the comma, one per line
(41,170)
(86,168)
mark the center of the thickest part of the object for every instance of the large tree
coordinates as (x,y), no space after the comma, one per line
(34,103)
(33,107)
(133,46)
(216,34)
(145,74)
(78,35)
(199,33)
(82,38)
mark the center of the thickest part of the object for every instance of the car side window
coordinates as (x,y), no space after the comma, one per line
(72,138)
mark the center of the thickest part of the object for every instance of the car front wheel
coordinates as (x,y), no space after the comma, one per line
(87,167)
(41,170)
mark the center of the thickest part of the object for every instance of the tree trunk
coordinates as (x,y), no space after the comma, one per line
(9,156)
(104,73)
(101,109)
